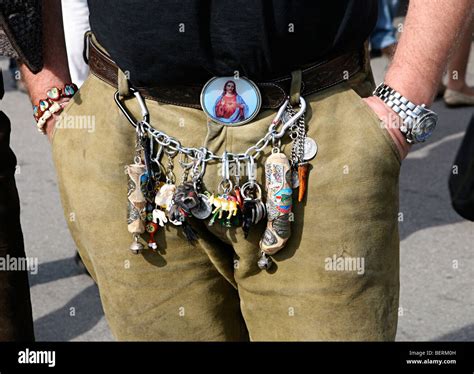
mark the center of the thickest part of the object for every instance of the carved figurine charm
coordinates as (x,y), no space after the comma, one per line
(136,212)
(279,204)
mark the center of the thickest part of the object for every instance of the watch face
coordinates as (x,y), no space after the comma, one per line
(424,127)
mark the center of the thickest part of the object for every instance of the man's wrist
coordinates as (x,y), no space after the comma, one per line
(409,86)
(51,103)
(418,122)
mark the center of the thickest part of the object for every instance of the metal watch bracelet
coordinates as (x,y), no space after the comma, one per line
(408,111)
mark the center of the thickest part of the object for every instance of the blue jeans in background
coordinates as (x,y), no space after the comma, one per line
(384,33)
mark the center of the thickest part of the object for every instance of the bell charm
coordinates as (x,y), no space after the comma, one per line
(136,247)
(264,262)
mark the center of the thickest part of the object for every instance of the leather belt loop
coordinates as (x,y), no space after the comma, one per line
(295,88)
(85,51)
(123,85)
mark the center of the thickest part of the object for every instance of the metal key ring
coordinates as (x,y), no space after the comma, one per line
(227,189)
(252,186)
(185,165)
(171,152)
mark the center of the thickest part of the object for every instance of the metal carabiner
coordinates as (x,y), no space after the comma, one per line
(201,156)
(198,170)
(251,171)
(237,171)
(287,125)
(141,104)
(158,153)
(225,166)
(277,120)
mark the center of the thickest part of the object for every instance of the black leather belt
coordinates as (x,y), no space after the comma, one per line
(315,78)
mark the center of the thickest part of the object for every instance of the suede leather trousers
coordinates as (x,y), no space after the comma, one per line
(214,290)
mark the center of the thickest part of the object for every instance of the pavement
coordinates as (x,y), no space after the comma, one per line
(437,251)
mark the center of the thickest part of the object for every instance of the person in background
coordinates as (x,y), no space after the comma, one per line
(458,92)
(383,40)
(16,320)
(76,23)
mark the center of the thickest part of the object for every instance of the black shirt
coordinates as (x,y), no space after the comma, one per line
(189,41)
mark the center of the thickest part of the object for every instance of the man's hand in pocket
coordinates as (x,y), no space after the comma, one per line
(392,123)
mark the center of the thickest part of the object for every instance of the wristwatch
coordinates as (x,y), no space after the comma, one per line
(418,121)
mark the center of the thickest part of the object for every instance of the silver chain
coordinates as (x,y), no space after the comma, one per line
(204,154)
(173,146)
(301,138)
(294,137)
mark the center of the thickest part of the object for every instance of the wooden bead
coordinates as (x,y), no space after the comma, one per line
(55,107)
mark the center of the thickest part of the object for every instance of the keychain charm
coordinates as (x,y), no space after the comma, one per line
(279,205)
(136,213)
(226,206)
(184,201)
(253,208)
(303,171)
(310,149)
(303,150)
(204,209)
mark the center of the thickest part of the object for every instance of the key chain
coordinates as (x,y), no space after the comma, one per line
(303,150)
(184,199)
(155,199)
(279,205)
(253,209)
(204,208)
(303,166)
(157,218)
(226,208)
(237,190)
(188,200)
(136,212)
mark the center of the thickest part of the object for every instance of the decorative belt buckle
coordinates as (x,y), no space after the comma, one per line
(231,100)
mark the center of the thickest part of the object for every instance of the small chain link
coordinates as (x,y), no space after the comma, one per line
(301,138)
(294,136)
(170,177)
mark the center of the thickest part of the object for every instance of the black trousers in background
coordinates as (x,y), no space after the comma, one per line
(16,321)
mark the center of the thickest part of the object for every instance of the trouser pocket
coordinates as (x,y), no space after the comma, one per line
(373,124)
